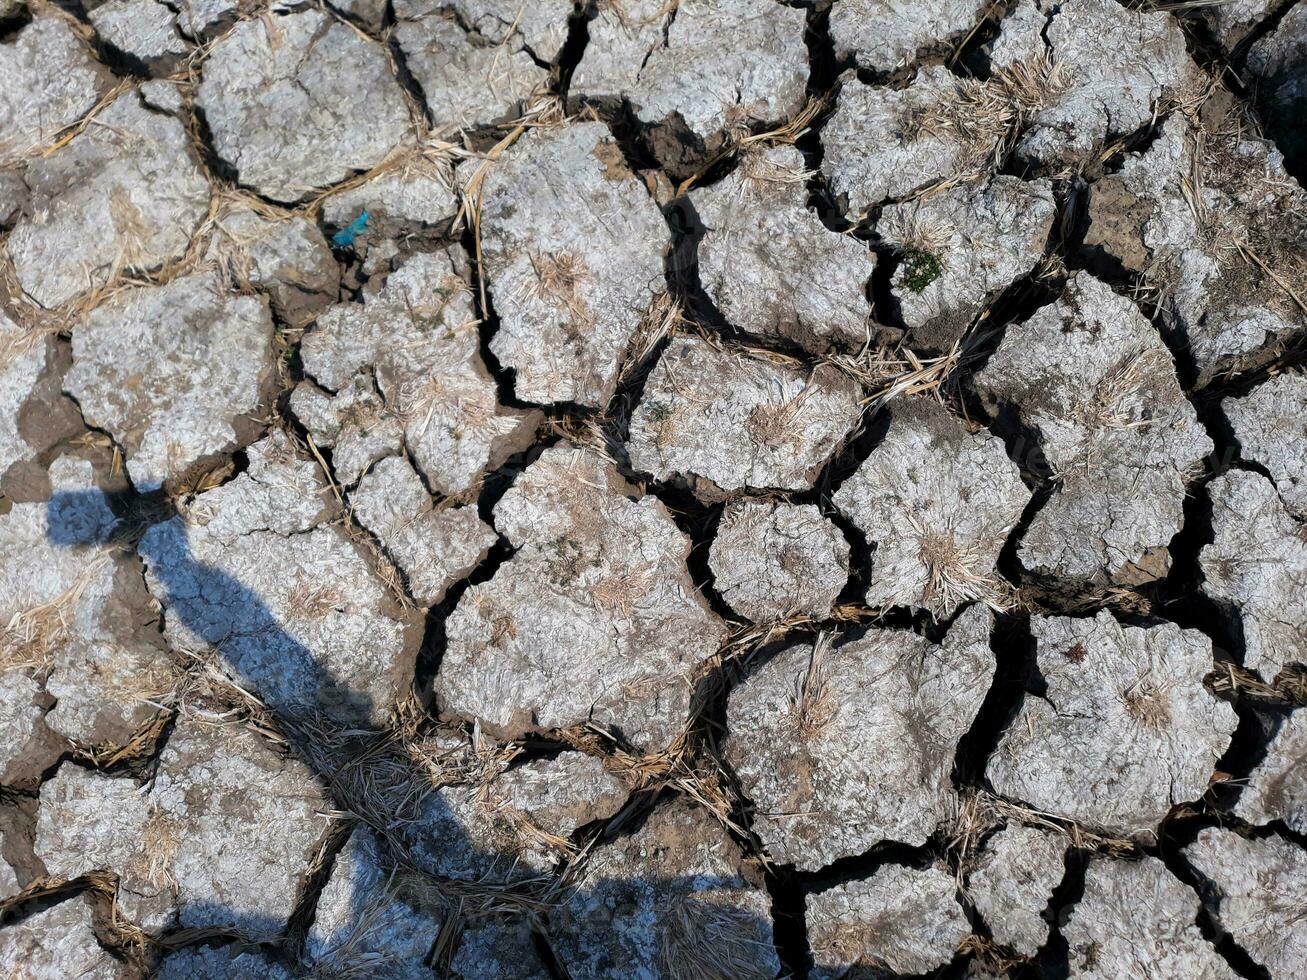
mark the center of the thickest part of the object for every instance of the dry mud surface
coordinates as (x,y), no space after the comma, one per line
(698,489)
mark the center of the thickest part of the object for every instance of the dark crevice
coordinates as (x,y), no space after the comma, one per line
(698,522)
(823,82)
(1052,961)
(15,22)
(1025,449)
(1171,853)
(859,867)
(970,57)
(1239,53)
(573,49)
(1015,671)
(301,919)
(404,76)
(824,68)
(1247,750)
(789,930)
(488,324)
(434,639)
(869,432)
(1180,597)
(123,64)
(548,958)
(861,553)
(203,144)
(1134,143)
(886,307)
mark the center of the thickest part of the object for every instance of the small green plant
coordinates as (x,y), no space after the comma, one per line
(659,413)
(920,269)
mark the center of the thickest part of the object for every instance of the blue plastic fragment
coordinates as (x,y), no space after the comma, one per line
(345,237)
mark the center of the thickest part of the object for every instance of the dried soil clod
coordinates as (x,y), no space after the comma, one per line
(841,746)
(404,370)
(196,848)
(573,251)
(74,623)
(699,72)
(982,238)
(292,609)
(435,435)
(514,825)
(144,29)
(1277,788)
(1271,426)
(92,822)
(594,618)
(24,356)
(875,149)
(124,195)
(1125,729)
(938,502)
(173,398)
(244,862)
(1230,23)
(434,546)
(672,899)
(1217,228)
(363,920)
(57,942)
(469,80)
(1095,381)
(774,561)
(1260,891)
(774,425)
(771,266)
(1122,68)
(48,81)
(885,143)
(900,920)
(299,101)
(1257,565)
(288,259)
(1136,920)
(1013,882)
(883,35)
(540,26)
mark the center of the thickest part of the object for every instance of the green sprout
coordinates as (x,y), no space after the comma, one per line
(659,413)
(920,269)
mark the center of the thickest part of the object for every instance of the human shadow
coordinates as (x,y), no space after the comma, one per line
(252,645)
(229,618)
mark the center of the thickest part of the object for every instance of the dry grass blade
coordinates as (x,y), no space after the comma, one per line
(889,374)
(986,117)
(742,140)
(981,811)
(953,573)
(139,747)
(1113,402)
(33,634)
(708,940)
(1252,256)
(814,706)
(1231,678)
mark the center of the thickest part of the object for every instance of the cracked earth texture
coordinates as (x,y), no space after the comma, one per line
(651,489)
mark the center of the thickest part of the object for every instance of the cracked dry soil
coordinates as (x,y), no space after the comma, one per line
(653,489)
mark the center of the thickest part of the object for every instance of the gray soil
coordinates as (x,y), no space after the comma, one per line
(605,489)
